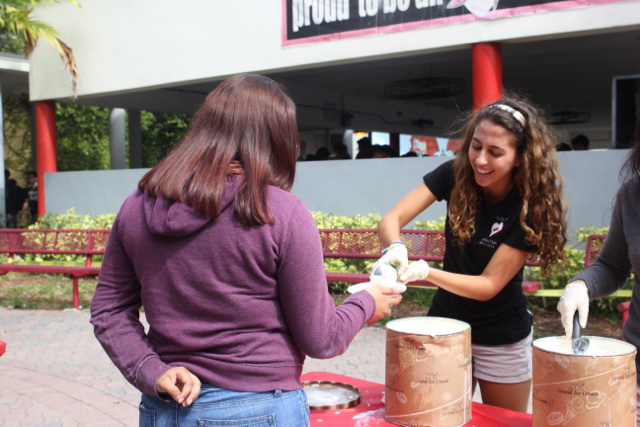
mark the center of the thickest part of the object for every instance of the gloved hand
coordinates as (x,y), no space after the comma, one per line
(396,255)
(575,297)
(417,270)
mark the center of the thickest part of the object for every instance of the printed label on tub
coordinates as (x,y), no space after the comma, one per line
(428,372)
(579,390)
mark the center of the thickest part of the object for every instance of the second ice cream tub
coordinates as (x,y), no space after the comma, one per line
(597,388)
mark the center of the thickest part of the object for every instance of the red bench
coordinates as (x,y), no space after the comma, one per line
(29,251)
(428,245)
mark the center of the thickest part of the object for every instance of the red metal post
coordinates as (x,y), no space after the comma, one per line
(45,146)
(486,59)
(76,292)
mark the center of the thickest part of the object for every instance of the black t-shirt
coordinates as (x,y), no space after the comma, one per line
(15,197)
(504,319)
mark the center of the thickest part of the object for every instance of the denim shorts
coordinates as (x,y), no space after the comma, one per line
(506,364)
(220,407)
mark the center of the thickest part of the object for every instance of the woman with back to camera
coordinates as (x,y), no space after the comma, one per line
(620,255)
(228,266)
(504,205)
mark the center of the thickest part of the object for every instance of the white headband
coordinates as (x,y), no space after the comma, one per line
(515,113)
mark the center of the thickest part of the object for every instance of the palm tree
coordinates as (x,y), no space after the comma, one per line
(20,30)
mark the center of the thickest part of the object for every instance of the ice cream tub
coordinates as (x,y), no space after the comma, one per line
(597,388)
(428,372)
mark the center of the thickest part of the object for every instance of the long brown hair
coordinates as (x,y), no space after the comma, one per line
(246,125)
(536,180)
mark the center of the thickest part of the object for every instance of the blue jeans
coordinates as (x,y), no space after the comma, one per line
(220,407)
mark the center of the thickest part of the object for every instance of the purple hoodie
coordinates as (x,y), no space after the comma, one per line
(239,307)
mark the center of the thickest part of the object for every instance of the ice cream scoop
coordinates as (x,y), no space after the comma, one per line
(384,275)
(579,344)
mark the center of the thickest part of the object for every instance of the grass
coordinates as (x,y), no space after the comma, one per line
(43,291)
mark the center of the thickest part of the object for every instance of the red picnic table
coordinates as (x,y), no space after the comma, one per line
(370,410)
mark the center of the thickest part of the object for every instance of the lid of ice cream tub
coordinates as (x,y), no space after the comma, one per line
(330,395)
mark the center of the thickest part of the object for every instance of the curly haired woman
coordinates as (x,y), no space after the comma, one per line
(505,204)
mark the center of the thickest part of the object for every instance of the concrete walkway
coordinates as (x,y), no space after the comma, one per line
(55,373)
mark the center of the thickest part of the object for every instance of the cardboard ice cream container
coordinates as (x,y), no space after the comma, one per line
(428,372)
(597,388)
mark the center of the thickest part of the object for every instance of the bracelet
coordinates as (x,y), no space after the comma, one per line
(384,251)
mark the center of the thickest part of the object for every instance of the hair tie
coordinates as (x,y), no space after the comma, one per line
(515,113)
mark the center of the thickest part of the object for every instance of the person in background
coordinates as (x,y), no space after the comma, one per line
(322,153)
(339,151)
(15,199)
(620,255)
(364,148)
(580,143)
(563,146)
(380,151)
(504,205)
(228,266)
(31,204)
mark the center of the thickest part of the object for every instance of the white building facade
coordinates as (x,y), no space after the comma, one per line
(358,64)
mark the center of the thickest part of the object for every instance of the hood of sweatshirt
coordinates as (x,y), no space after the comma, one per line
(171,218)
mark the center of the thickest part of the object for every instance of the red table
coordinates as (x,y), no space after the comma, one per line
(481,415)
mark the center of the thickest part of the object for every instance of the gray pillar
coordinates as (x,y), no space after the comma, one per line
(3,205)
(135,139)
(117,139)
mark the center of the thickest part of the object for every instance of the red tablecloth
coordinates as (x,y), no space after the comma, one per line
(370,402)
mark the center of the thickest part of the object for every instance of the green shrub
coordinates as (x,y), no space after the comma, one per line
(582,235)
(431,225)
(324,220)
(73,221)
(561,273)
(68,221)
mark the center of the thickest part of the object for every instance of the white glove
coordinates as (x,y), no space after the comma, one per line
(575,297)
(396,255)
(417,270)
